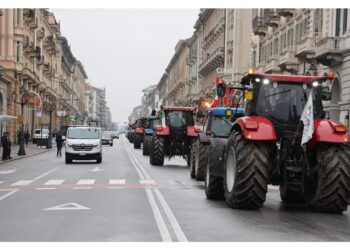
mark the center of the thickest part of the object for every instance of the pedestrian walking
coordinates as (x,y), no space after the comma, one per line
(4,143)
(59,142)
(26,137)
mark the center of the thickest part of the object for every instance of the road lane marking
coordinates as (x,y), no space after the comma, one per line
(171,217)
(133,163)
(67,206)
(82,188)
(86,182)
(8,194)
(117,181)
(54,182)
(164,232)
(46,188)
(147,182)
(22,183)
(44,174)
(7,171)
(173,221)
(1,182)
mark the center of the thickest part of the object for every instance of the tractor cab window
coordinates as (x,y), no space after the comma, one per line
(179,119)
(284,102)
(145,123)
(221,126)
(155,123)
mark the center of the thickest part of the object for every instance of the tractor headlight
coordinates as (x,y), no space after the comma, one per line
(315,84)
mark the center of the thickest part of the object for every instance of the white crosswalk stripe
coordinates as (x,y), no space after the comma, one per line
(117,181)
(147,182)
(86,182)
(22,183)
(54,182)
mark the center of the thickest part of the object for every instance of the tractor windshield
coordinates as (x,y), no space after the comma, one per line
(221,126)
(155,122)
(179,119)
(284,101)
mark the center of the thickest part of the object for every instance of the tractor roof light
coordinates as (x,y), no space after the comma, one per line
(330,75)
(250,71)
(315,84)
(266,81)
(257,80)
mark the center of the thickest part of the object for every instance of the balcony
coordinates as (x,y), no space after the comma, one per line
(306,48)
(40,34)
(285,12)
(30,50)
(259,27)
(288,61)
(28,15)
(212,61)
(270,17)
(46,67)
(328,51)
(272,64)
(49,44)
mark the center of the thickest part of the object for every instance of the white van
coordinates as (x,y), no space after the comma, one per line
(83,143)
(40,133)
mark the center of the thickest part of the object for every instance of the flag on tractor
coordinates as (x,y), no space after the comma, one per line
(307,117)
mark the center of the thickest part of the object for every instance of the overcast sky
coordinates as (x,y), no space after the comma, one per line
(125,50)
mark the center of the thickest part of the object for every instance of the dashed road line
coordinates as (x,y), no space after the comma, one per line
(22,183)
(117,181)
(86,182)
(54,182)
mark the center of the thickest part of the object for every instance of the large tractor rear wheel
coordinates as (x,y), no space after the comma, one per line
(157,151)
(200,162)
(193,160)
(245,172)
(137,140)
(147,140)
(328,189)
(214,186)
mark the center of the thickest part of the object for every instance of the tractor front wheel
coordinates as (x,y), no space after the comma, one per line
(328,188)
(157,151)
(193,160)
(200,162)
(245,172)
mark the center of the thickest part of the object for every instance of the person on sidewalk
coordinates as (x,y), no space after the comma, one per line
(8,146)
(4,143)
(59,143)
(26,137)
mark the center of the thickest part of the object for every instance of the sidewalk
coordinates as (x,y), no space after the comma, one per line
(31,149)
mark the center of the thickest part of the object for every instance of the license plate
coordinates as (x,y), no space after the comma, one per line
(82,153)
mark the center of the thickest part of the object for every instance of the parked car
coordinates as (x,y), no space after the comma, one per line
(83,143)
(107,138)
(40,134)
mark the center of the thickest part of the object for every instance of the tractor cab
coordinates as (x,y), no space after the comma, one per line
(218,121)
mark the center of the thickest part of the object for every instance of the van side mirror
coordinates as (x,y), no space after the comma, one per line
(154,112)
(326,93)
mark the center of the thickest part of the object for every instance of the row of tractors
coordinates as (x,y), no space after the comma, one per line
(282,138)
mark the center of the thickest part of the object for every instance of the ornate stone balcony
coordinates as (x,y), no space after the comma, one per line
(212,61)
(328,51)
(259,27)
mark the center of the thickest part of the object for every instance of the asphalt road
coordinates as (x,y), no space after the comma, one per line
(126,199)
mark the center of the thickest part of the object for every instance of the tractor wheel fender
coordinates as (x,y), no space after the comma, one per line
(264,131)
(324,132)
(190,131)
(165,131)
(218,147)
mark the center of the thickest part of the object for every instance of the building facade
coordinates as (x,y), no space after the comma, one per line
(306,41)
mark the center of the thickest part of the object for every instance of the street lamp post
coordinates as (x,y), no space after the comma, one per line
(50,107)
(23,100)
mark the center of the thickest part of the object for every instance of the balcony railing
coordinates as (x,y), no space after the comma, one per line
(212,61)
(259,27)
(285,12)
(329,50)
(270,17)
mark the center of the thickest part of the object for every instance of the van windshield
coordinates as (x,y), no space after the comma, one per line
(83,133)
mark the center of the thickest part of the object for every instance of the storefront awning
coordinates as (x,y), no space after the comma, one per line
(6,118)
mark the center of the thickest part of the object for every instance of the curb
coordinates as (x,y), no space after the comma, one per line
(26,156)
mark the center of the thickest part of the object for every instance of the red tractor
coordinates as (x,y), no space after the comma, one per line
(174,136)
(308,159)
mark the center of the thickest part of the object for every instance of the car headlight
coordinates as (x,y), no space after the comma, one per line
(97,145)
(69,145)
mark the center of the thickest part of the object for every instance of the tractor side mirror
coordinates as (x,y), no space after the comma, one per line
(154,112)
(326,93)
